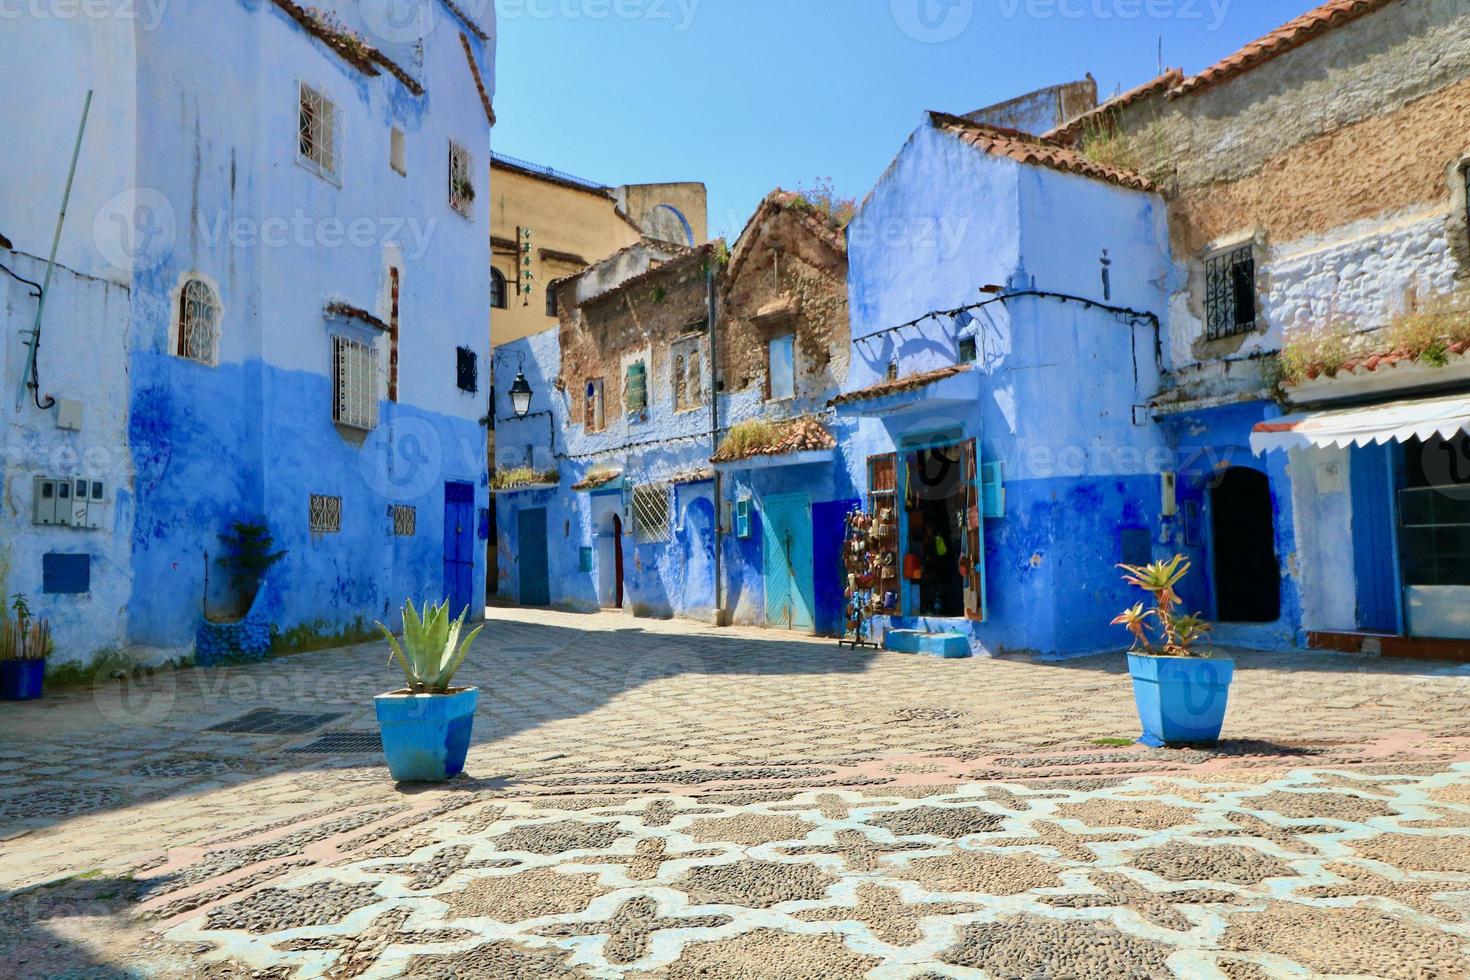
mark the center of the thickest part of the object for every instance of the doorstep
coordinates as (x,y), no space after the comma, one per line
(1398,647)
(949,646)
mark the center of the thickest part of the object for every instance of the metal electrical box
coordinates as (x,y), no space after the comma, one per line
(70,502)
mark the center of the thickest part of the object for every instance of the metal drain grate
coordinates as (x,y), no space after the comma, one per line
(341,743)
(269,721)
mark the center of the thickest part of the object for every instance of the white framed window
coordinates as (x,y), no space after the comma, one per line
(461,179)
(405,521)
(196,331)
(397,152)
(318,140)
(595,419)
(651,513)
(324,514)
(354,384)
(781,367)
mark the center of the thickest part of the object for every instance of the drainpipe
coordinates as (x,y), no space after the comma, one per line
(714,438)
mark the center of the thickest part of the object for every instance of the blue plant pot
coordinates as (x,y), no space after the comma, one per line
(21,680)
(1181,700)
(426,736)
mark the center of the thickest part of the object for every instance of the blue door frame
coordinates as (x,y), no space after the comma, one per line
(459,547)
(535,568)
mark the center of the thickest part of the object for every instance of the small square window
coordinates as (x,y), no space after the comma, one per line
(595,420)
(781,367)
(551,301)
(1230,293)
(498,290)
(405,521)
(967,350)
(397,152)
(316,132)
(461,180)
(324,515)
(467,370)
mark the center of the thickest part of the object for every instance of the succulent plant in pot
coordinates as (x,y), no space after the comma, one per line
(426,727)
(1182,692)
(25,643)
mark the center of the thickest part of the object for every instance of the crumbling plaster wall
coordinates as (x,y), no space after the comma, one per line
(1361,210)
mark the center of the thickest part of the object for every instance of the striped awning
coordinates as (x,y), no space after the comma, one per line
(1369,425)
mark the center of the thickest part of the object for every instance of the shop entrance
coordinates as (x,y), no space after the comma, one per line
(937,501)
(1247,576)
(1434,518)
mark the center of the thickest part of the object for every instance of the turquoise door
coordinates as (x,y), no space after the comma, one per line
(535,569)
(787,542)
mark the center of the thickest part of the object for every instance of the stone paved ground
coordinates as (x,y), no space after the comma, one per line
(652,799)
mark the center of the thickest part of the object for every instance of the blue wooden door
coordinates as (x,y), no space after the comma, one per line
(787,537)
(829,526)
(535,569)
(1374,561)
(459,547)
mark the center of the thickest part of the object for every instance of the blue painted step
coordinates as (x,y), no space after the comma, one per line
(950,646)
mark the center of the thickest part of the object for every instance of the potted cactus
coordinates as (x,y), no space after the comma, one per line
(25,643)
(1181,691)
(426,726)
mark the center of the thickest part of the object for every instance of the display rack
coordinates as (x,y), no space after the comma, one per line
(870,559)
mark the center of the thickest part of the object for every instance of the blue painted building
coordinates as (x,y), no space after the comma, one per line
(283,197)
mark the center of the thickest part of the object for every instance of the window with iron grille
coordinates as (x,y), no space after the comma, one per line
(355,384)
(1230,293)
(405,521)
(461,179)
(635,388)
(325,514)
(498,295)
(198,326)
(651,513)
(317,138)
(467,370)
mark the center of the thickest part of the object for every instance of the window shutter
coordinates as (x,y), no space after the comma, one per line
(992,481)
(976,606)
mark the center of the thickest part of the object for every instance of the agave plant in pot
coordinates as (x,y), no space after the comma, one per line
(426,726)
(1180,689)
(25,643)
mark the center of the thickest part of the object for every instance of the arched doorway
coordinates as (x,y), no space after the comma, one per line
(618,560)
(1247,575)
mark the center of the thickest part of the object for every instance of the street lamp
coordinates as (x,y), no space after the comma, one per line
(520,395)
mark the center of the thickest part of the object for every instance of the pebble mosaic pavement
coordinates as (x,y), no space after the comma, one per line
(661,800)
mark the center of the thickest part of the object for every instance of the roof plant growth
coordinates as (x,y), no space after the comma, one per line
(1427,334)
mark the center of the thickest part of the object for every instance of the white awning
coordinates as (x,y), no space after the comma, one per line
(1374,424)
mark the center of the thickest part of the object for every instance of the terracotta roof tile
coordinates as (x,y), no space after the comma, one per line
(1068,132)
(596,479)
(794,436)
(350,47)
(909,382)
(1036,151)
(1292,34)
(469,55)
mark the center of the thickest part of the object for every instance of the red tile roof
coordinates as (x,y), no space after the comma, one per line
(1036,151)
(909,382)
(1292,34)
(1068,132)
(469,55)
(350,47)
(801,435)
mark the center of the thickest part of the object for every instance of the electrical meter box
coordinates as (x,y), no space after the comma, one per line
(71,502)
(43,501)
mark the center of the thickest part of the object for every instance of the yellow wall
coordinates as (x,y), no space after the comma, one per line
(561,219)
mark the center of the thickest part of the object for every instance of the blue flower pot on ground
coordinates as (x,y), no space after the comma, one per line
(21,680)
(1181,700)
(426,736)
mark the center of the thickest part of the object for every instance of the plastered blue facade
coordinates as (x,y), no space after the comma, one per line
(212,94)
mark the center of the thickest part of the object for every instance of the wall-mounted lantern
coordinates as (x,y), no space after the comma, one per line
(520,395)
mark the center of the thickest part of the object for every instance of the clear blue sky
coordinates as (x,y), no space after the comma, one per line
(746,95)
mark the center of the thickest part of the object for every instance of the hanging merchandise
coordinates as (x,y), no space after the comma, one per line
(866,575)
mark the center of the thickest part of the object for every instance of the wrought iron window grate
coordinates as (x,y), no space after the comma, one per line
(198,322)
(651,513)
(461,179)
(325,514)
(317,132)
(635,388)
(356,384)
(1230,293)
(405,520)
